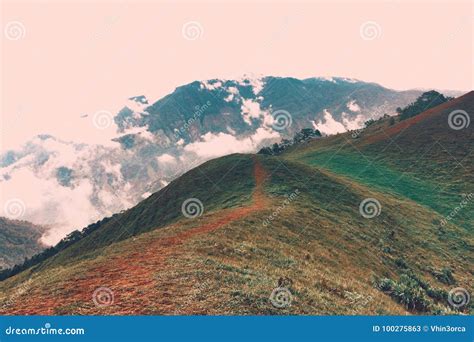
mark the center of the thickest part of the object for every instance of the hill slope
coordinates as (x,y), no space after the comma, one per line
(294,224)
(18,240)
(158,141)
(422,158)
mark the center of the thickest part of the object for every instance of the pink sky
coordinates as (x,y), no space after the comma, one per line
(82,57)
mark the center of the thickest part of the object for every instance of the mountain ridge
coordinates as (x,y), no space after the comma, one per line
(195,123)
(312,236)
(20,240)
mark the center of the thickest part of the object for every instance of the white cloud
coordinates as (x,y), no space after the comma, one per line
(166,158)
(351,122)
(50,204)
(112,168)
(353,106)
(256,82)
(142,131)
(137,106)
(350,80)
(327,79)
(213,145)
(216,145)
(328,125)
(33,179)
(233,92)
(211,84)
(250,110)
(146,195)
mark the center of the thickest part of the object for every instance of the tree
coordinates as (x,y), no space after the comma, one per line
(276,149)
(424,102)
(266,150)
(305,134)
(369,122)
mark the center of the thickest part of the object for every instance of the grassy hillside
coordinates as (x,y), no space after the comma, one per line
(18,240)
(317,244)
(291,223)
(232,173)
(422,158)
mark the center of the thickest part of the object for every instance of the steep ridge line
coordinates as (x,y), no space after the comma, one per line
(130,276)
(401,126)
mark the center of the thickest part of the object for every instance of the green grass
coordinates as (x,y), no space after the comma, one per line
(384,177)
(318,241)
(223,183)
(394,175)
(329,251)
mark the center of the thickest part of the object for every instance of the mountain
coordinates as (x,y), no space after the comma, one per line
(371,221)
(77,184)
(240,107)
(19,240)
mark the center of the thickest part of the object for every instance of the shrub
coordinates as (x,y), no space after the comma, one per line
(406,291)
(302,136)
(445,276)
(424,102)
(401,263)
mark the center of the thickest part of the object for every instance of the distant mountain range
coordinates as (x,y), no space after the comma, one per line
(76,184)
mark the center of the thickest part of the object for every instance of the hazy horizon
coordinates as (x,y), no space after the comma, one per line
(74,59)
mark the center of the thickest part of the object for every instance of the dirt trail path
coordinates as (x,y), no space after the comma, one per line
(131,276)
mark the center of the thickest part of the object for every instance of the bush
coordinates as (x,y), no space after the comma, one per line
(445,276)
(408,292)
(304,135)
(385,284)
(424,102)
(415,294)
(401,263)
